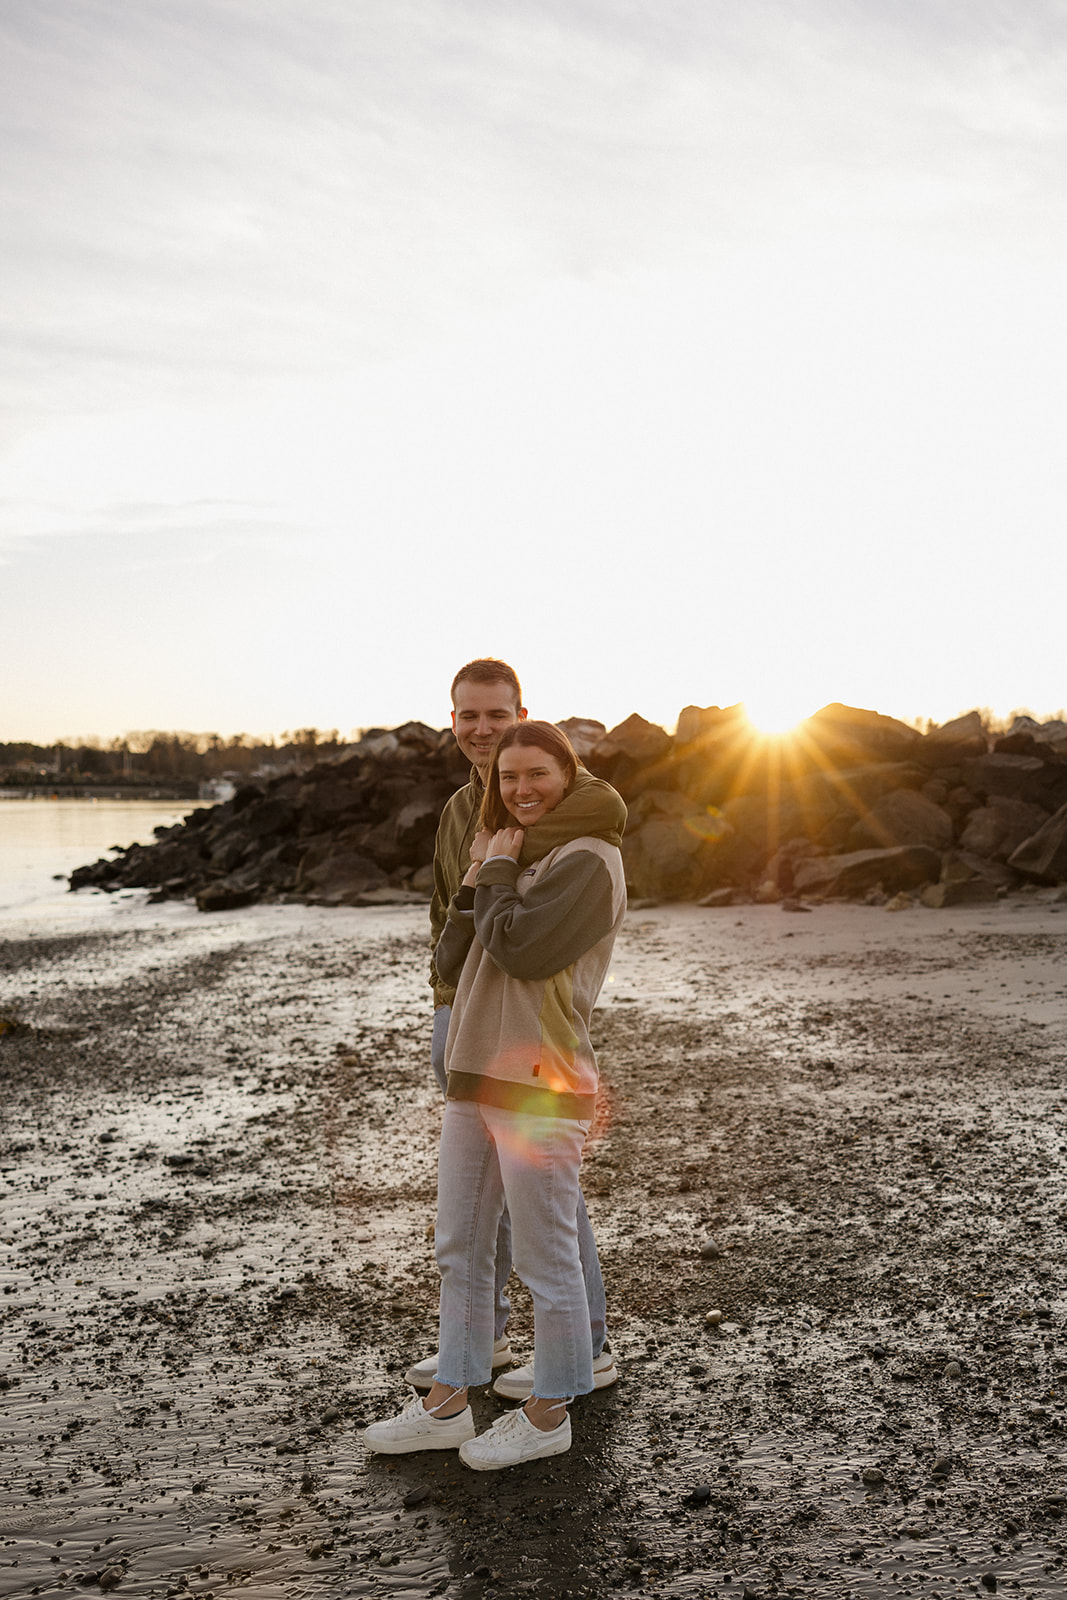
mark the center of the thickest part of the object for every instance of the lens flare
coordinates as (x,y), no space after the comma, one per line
(709,825)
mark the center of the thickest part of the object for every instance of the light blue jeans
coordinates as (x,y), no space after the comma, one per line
(594,1280)
(489,1157)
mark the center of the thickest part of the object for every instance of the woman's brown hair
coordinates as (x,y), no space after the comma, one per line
(541,736)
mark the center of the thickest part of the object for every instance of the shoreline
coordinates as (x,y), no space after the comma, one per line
(845,1130)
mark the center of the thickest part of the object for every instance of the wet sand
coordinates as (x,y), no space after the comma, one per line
(844,1130)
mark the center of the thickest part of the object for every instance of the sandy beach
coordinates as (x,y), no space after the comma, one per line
(844,1130)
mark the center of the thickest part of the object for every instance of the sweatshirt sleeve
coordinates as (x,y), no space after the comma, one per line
(456,938)
(592,809)
(564,914)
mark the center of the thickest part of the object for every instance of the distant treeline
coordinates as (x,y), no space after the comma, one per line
(152,757)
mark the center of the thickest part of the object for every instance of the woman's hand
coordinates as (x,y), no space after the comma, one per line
(506,842)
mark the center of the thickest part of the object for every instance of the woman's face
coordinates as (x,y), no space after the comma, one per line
(532,782)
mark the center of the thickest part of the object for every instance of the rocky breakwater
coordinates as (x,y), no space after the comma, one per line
(350,831)
(852,805)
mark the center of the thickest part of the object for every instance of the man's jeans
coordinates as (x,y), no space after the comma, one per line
(594,1281)
(488,1156)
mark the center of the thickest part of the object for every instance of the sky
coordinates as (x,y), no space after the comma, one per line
(682,353)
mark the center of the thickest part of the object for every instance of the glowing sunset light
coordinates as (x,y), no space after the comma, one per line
(777,710)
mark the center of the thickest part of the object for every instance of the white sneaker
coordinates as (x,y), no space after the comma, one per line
(518,1383)
(422,1374)
(415,1428)
(511,1439)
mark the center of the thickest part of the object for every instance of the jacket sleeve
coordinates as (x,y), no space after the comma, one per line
(562,915)
(438,923)
(592,809)
(448,869)
(456,938)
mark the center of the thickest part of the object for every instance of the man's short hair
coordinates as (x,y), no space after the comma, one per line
(487,669)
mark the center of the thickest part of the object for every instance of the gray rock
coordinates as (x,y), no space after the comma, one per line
(1017,777)
(958,892)
(339,877)
(584,733)
(903,817)
(856,872)
(999,828)
(417,821)
(707,724)
(269,817)
(225,895)
(954,741)
(1044,855)
(671,857)
(849,735)
(723,897)
(958,865)
(638,742)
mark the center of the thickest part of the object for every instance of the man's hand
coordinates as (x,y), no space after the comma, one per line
(506,842)
(480,846)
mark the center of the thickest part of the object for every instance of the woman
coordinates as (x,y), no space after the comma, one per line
(528,952)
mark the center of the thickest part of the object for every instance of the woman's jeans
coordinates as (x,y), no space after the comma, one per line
(490,1157)
(594,1281)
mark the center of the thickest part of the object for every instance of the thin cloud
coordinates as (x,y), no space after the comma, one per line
(199,192)
(212,526)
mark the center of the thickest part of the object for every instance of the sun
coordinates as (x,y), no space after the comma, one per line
(776,711)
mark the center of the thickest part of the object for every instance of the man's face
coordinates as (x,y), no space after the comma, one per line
(481,713)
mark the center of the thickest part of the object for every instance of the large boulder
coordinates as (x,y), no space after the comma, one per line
(675,858)
(1052,735)
(764,824)
(637,739)
(673,850)
(633,747)
(861,870)
(1044,855)
(999,828)
(584,733)
(269,816)
(903,817)
(416,823)
(225,895)
(714,754)
(1017,777)
(227,850)
(958,892)
(959,866)
(326,798)
(953,742)
(339,877)
(703,724)
(849,736)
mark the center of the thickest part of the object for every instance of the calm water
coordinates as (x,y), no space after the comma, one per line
(42,841)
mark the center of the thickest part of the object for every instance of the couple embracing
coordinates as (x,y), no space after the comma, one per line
(529,896)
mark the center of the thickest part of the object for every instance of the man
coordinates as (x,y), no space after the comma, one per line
(487,699)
